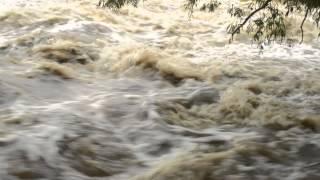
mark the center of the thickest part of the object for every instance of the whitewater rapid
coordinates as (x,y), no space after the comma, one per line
(149,93)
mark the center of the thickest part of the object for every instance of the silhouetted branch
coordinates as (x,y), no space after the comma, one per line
(302,23)
(236,30)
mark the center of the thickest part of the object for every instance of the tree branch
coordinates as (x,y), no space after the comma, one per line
(249,17)
(302,23)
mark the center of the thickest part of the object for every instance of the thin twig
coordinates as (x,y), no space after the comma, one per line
(302,23)
(249,17)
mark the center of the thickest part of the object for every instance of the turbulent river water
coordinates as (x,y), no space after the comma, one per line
(148,94)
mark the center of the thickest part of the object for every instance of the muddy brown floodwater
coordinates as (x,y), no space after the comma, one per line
(147,94)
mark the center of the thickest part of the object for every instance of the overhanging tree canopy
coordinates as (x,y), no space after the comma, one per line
(264,19)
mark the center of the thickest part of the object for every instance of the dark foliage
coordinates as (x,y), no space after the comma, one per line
(116,4)
(263,19)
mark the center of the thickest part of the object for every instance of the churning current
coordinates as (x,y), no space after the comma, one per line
(148,93)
